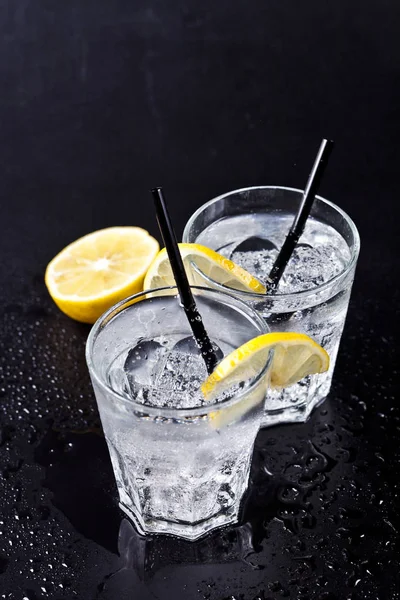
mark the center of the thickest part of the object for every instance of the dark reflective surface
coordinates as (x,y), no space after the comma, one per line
(101,101)
(321,515)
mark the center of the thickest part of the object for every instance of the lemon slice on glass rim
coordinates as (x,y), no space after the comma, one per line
(212,264)
(295,355)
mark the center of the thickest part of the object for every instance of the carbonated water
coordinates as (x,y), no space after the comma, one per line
(307,299)
(177,475)
(254,240)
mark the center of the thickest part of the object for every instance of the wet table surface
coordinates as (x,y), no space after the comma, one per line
(101,101)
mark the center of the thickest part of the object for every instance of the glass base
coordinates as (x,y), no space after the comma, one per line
(190,532)
(295,404)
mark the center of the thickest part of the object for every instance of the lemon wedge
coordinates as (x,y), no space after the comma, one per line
(212,264)
(295,356)
(99,269)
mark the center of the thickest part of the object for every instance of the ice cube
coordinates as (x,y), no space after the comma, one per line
(182,372)
(258,262)
(310,267)
(255,244)
(140,363)
(160,376)
(188,345)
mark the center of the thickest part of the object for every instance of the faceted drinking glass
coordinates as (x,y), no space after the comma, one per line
(249,226)
(181,463)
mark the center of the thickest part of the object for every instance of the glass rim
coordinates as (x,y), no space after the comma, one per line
(274,298)
(165,412)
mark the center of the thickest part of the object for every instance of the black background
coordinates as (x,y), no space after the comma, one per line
(99,101)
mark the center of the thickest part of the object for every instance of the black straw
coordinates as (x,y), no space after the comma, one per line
(303,213)
(182,283)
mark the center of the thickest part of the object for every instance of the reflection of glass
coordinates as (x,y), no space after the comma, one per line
(286,494)
(181,465)
(147,554)
(249,226)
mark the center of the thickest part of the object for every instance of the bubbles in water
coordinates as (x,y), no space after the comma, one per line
(181,372)
(320,255)
(188,345)
(308,267)
(258,262)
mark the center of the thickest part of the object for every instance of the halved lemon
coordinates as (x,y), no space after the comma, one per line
(295,356)
(212,264)
(99,269)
